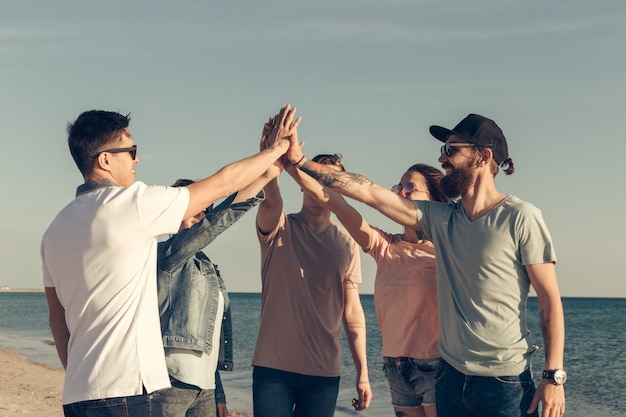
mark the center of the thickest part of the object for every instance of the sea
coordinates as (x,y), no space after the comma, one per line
(595,351)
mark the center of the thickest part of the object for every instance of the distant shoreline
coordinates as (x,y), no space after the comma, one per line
(10,289)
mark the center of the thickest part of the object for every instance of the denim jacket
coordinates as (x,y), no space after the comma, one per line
(189,285)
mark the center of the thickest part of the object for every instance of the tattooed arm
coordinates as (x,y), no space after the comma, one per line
(358,187)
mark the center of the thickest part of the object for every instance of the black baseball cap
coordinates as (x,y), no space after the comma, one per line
(480,131)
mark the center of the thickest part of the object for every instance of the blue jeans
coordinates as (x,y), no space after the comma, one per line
(184,400)
(460,395)
(278,393)
(412,381)
(145,405)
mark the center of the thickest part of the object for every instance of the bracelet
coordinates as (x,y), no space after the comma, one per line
(298,163)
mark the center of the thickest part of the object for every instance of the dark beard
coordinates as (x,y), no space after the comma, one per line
(456,182)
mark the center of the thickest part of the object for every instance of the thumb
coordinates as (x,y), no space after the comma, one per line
(533,405)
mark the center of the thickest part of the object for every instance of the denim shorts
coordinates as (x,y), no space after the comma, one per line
(412,381)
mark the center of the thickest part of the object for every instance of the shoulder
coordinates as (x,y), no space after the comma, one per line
(523,208)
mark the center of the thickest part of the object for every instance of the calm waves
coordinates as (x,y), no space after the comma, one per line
(595,356)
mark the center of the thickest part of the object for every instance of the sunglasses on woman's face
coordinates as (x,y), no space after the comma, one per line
(406,189)
(131,150)
(449,149)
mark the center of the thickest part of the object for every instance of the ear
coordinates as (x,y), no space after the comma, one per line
(102,162)
(486,156)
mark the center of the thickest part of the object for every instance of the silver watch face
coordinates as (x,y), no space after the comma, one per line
(560,376)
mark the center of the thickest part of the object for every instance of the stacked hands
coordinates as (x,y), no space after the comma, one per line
(282,130)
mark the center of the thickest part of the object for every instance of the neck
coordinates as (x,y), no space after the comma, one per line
(316,218)
(481,198)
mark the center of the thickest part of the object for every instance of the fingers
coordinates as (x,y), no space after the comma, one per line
(294,125)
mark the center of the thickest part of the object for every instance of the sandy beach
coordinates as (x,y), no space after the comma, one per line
(28,388)
(31,389)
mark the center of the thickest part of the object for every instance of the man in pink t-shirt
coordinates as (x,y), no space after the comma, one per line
(310,275)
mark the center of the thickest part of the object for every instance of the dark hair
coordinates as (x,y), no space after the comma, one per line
(507,165)
(433,178)
(182,182)
(91,131)
(328,159)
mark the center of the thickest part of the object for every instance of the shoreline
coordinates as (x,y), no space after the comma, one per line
(29,388)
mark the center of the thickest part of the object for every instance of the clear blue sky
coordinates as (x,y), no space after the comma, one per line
(368,78)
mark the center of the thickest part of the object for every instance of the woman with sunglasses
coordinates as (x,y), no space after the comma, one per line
(405,290)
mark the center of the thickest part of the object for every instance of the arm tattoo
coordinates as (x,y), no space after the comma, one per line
(331,178)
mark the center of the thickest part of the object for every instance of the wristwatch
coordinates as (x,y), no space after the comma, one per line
(556,376)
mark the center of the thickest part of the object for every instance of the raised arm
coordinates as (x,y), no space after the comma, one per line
(271,173)
(351,219)
(358,187)
(238,175)
(271,208)
(543,279)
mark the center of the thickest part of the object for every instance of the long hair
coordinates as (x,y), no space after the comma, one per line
(433,178)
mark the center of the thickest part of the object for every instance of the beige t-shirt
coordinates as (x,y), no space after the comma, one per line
(302,274)
(406,296)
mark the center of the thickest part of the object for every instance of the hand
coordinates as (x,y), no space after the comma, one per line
(293,143)
(274,170)
(294,153)
(222,410)
(552,398)
(365,396)
(283,126)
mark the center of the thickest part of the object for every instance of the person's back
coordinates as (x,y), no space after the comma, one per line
(99,255)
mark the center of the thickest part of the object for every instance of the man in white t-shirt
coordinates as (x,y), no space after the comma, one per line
(99,264)
(491,249)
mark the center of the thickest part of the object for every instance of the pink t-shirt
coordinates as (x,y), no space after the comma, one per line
(406,296)
(303,273)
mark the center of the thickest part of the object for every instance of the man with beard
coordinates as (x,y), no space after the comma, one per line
(491,248)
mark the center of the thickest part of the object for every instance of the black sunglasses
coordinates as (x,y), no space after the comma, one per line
(132,151)
(449,149)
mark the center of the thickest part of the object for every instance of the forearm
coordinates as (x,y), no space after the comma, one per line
(231,178)
(271,208)
(356,337)
(361,188)
(58,326)
(254,188)
(553,332)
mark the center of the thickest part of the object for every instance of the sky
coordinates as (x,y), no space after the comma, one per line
(200,78)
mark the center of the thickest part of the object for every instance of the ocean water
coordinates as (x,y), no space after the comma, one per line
(595,351)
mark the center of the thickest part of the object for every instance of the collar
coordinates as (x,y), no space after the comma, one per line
(92,185)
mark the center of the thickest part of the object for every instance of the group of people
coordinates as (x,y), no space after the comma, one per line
(143,327)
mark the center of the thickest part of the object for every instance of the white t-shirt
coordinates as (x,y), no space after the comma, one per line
(99,254)
(196,367)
